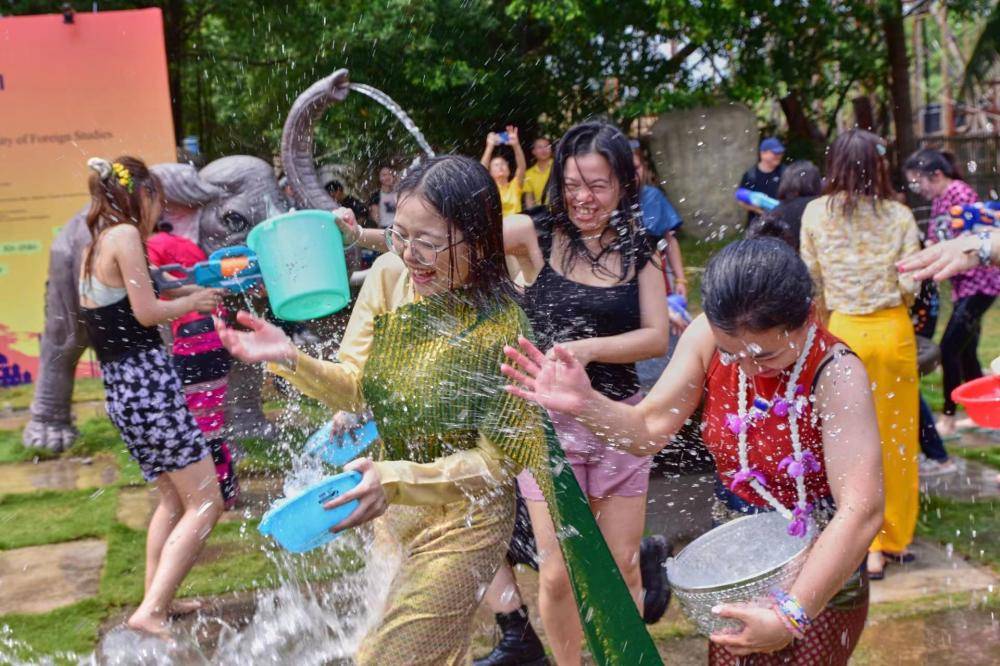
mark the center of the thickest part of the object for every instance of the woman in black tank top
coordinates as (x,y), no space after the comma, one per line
(595,292)
(142,391)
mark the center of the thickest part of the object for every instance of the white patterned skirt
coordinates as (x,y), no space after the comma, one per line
(145,402)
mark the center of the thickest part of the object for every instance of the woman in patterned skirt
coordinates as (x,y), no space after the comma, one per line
(120,311)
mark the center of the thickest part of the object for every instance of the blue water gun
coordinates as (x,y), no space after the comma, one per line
(234,268)
(966,217)
(756,199)
(679,305)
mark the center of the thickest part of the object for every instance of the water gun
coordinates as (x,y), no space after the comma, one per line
(756,199)
(234,268)
(966,216)
(679,305)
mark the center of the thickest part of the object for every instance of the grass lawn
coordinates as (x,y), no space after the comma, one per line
(987,456)
(235,558)
(19,397)
(973,528)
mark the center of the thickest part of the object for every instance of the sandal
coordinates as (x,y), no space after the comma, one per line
(896,558)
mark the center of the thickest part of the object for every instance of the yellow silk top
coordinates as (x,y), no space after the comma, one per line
(450,478)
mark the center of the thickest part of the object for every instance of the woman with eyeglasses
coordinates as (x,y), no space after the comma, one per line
(423,350)
(851,239)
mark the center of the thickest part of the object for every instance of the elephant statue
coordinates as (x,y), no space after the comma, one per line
(216,207)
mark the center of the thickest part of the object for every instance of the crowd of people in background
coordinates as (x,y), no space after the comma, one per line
(590,242)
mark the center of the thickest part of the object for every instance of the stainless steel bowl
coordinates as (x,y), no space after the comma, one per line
(740,561)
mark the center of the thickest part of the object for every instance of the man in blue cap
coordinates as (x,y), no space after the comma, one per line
(765,175)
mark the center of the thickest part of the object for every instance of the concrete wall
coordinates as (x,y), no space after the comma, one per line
(700,155)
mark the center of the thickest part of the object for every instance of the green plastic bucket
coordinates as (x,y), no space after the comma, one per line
(301,258)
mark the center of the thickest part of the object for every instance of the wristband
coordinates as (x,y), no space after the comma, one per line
(984,248)
(792,629)
(791,610)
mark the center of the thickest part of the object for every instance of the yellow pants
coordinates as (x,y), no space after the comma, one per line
(450,555)
(885,343)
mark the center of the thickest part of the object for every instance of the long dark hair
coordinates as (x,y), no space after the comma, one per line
(114,202)
(928,160)
(604,139)
(755,285)
(801,179)
(856,171)
(461,191)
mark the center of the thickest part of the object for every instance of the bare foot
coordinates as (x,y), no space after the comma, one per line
(945,425)
(147,623)
(185,607)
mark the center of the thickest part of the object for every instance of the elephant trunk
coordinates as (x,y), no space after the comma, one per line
(297,140)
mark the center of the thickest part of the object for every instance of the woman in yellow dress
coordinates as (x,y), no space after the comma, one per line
(423,350)
(510,188)
(851,239)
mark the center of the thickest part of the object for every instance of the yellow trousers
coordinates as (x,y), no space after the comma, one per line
(885,343)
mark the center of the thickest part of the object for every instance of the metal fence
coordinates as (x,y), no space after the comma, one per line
(977,156)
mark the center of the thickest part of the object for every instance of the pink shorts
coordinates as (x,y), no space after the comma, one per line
(601,471)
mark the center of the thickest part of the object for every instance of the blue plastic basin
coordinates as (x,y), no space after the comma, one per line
(300,523)
(343,448)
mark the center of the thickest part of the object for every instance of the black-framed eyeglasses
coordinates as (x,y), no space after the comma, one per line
(423,251)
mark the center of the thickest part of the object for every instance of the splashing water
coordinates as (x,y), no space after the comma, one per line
(397,111)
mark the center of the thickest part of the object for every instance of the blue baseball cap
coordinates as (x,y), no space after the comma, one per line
(772,144)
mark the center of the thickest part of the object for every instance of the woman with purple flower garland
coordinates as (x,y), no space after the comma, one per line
(790,421)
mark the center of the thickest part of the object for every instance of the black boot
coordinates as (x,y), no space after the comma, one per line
(519,644)
(653,554)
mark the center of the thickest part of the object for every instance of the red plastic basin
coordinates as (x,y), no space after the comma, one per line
(981,399)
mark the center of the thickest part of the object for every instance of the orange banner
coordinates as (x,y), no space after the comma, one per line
(68,92)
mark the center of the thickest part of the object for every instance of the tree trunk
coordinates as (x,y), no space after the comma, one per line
(899,77)
(174,38)
(864,114)
(804,136)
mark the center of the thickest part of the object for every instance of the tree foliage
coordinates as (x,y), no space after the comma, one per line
(464,67)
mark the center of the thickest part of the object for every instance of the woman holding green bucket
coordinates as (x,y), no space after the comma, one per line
(423,350)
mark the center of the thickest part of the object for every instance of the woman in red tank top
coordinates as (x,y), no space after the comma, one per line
(789,418)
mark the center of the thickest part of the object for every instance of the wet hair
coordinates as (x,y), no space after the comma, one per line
(333,186)
(755,285)
(801,179)
(460,190)
(927,160)
(112,203)
(773,225)
(165,227)
(856,171)
(604,139)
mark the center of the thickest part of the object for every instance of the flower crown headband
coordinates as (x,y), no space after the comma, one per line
(106,169)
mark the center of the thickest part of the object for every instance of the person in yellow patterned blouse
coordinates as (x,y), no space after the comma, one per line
(851,239)
(423,350)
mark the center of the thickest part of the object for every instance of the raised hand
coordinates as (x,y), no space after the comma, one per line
(559,383)
(512,136)
(263,342)
(348,225)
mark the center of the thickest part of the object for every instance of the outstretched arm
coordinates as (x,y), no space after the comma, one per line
(561,384)
(951,257)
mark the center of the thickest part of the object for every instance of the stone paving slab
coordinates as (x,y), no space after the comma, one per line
(933,572)
(38,579)
(136,505)
(59,474)
(972,481)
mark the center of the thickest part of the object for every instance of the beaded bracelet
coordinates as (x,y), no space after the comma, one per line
(790,609)
(792,629)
